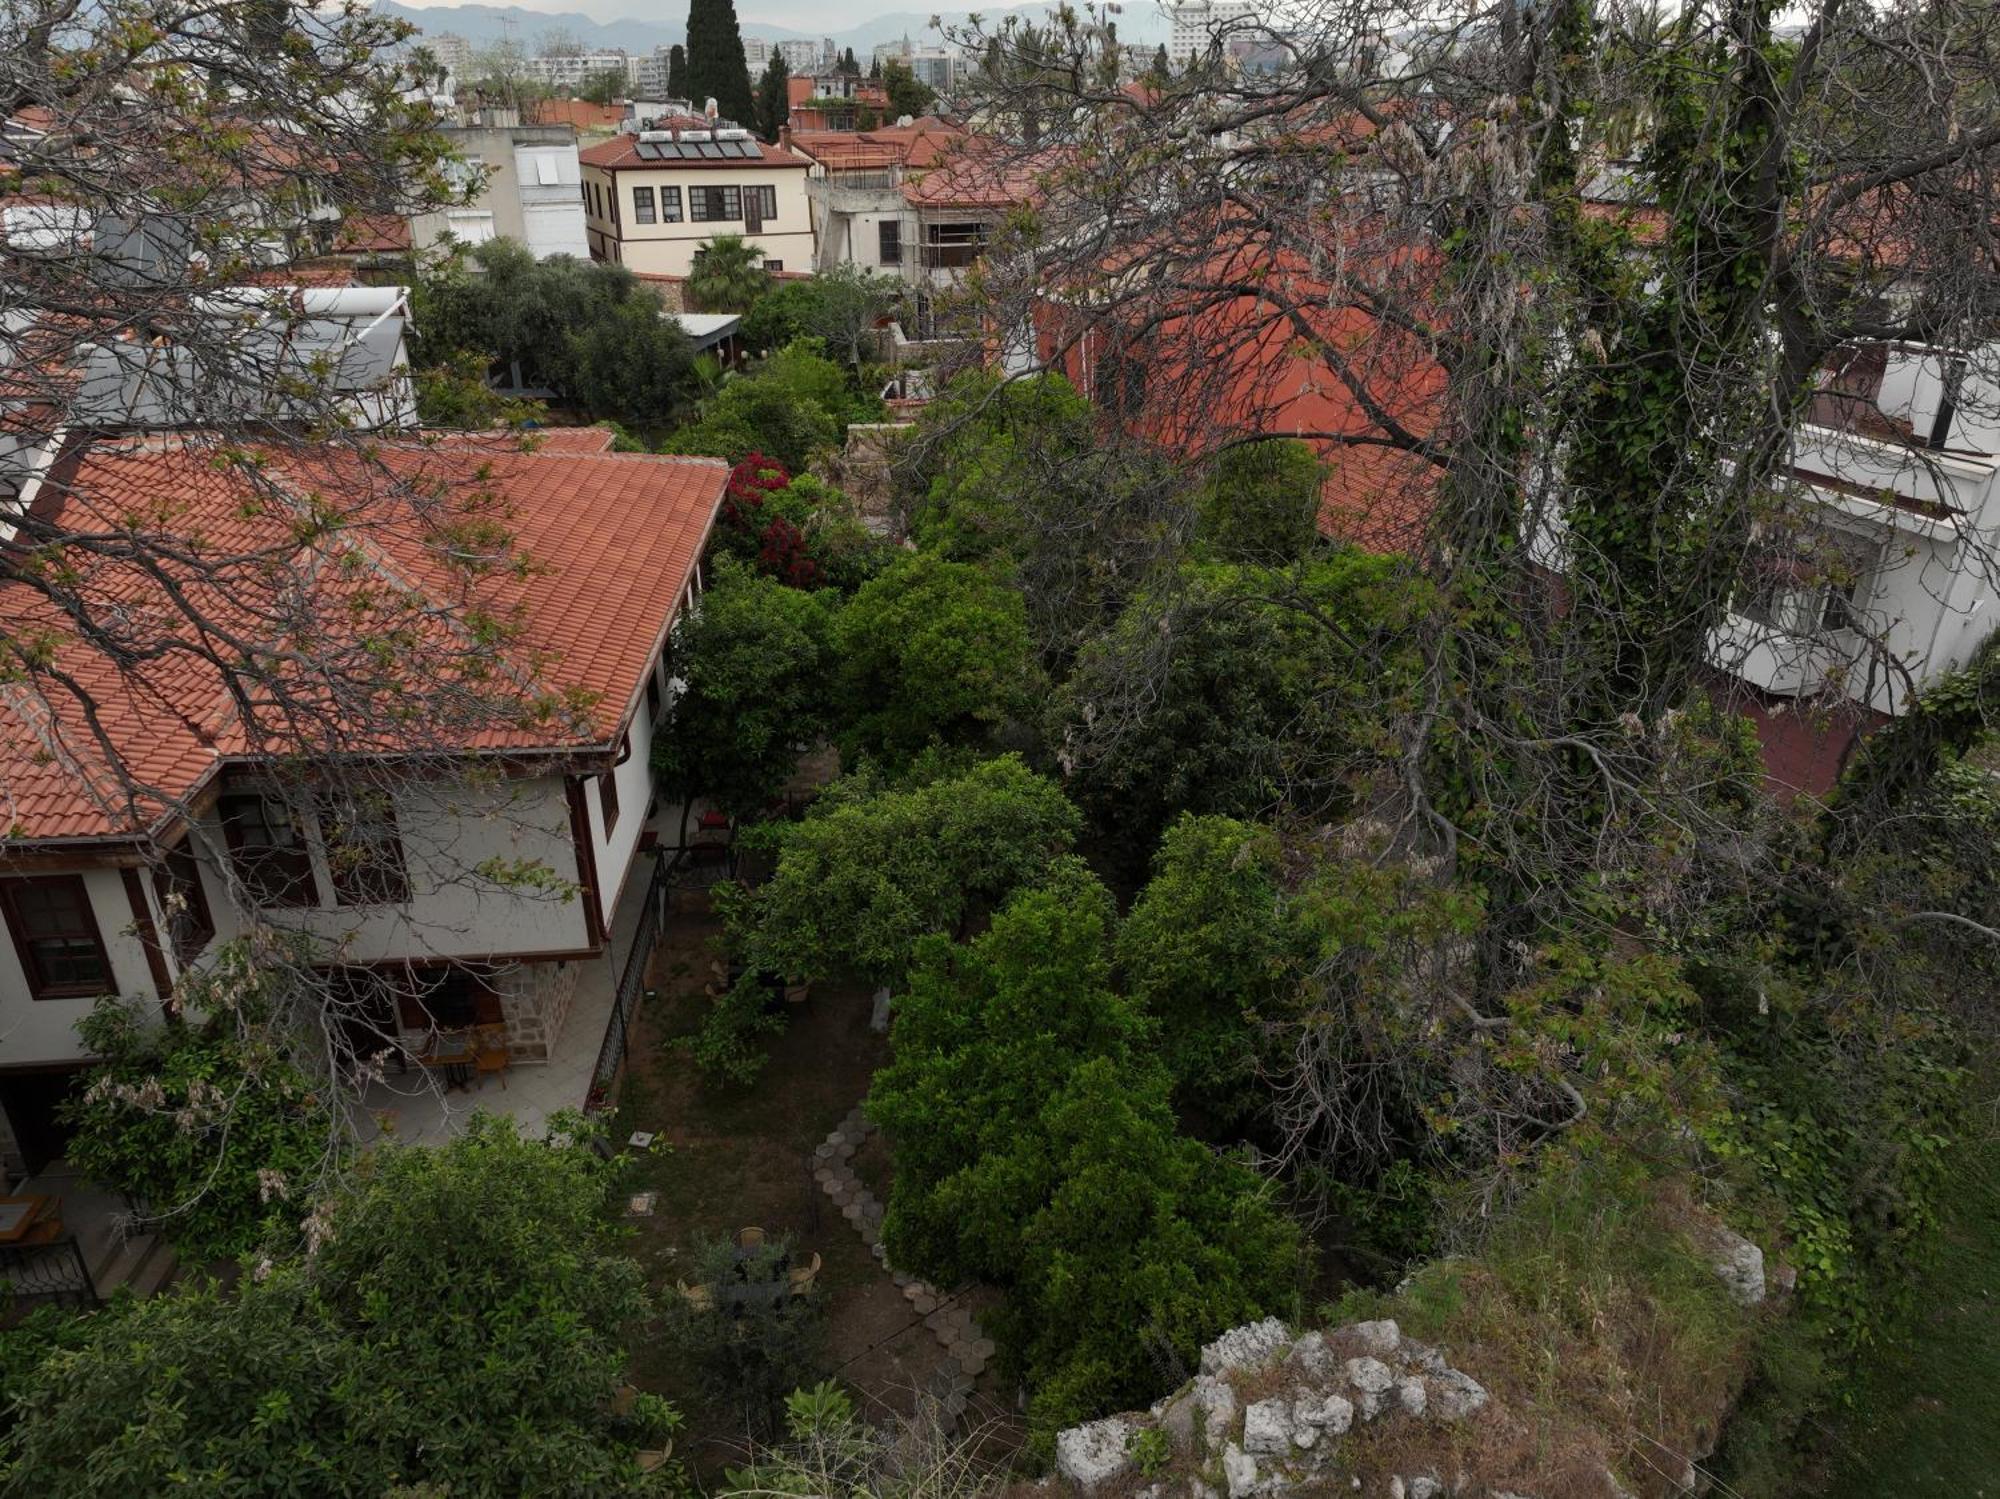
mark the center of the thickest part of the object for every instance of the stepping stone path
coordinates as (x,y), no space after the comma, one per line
(966,1350)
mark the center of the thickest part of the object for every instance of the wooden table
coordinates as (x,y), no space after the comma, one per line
(451,1053)
(32,1219)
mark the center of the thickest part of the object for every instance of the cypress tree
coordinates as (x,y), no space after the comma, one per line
(849,66)
(715,65)
(677,72)
(773,105)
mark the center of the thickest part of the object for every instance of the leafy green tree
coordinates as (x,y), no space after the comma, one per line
(871,870)
(677,72)
(727,275)
(1261,503)
(840,307)
(774,103)
(1233,689)
(1035,1150)
(607,87)
(209,1119)
(757,660)
(749,415)
(715,66)
(848,65)
(906,95)
(1206,952)
(630,363)
(457,1321)
(933,653)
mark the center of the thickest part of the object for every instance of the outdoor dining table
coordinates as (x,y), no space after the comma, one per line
(451,1053)
(27,1219)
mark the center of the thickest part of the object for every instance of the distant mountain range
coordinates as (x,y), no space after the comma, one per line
(483,25)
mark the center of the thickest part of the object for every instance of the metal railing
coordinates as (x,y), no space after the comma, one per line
(54,1273)
(632,982)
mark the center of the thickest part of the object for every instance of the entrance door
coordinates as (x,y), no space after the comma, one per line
(31,1100)
(753,210)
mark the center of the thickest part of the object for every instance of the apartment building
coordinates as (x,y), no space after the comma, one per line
(527,181)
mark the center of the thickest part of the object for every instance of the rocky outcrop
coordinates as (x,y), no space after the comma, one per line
(1356,1409)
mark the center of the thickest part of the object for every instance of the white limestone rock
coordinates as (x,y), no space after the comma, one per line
(1424,1487)
(1267,1428)
(1383,1339)
(1411,1395)
(1252,1346)
(1312,1358)
(1094,1453)
(1740,1264)
(1372,1380)
(1239,1471)
(1454,1395)
(1332,1414)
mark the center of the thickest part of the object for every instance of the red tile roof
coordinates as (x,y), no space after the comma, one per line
(610,541)
(918,144)
(622,153)
(976,177)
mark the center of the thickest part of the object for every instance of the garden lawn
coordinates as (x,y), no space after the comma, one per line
(728,1158)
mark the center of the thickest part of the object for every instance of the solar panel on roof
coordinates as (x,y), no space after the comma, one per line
(647,151)
(710,150)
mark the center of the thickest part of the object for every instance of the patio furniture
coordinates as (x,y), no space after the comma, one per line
(695,1296)
(30,1219)
(489,1052)
(750,1238)
(450,1052)
(802,1278)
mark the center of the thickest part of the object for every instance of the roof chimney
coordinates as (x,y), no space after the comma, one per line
(785,136)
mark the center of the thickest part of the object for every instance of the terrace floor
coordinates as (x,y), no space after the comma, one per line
(418,1109)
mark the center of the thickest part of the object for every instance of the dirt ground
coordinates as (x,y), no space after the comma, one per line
(728,1158)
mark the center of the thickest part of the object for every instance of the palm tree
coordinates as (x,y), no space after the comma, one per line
(727,275)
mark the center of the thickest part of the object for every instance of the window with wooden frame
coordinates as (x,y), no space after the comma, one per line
(642,205)
(670,205)
(890,232)
(607,799)
(364,852)
(268,849)
(708,205)
(56,937)
(183,903)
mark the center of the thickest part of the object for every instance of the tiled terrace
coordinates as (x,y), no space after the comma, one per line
(420,1110)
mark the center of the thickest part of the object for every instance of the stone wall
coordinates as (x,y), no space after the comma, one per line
(535,1000)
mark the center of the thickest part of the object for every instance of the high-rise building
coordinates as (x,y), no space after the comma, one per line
(651,79)
(756,54)
(1196,23)
(450,49)
(574,69)
(801,56)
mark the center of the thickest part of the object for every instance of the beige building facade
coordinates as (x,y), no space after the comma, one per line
(651,200)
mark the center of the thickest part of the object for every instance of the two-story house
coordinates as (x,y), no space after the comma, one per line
(859,214)
(652,199)
(477,878)
(523,182)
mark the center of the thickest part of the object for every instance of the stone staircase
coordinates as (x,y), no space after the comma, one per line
(966,1350)
(116,1253)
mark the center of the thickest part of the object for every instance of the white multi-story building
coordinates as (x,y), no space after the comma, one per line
(938,68)
(651,73)
(528,180)
(803,56)
(757,54)
(452,50)
(573,70)
(1197,23)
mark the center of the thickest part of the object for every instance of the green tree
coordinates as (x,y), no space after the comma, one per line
(932,653)
(726,275)
(1233,689)
(715,66)
(906,95)
(630,363)
(209,1118)
(458,1322)
(848,65)
(1034,1150)
(871,870)
(775,410)
(1206,953)
(757,660)
(774,105)
(607,87)
(840,307)
(677,72)
(1260,503)
(1162,69)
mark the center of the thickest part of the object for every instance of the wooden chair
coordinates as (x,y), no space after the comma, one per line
(802,1278)
(489,1052)
(750,1238)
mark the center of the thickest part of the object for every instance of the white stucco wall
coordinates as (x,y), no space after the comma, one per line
(43,1030)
